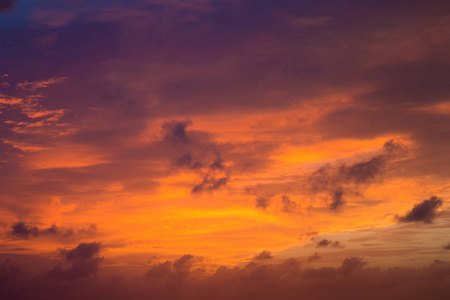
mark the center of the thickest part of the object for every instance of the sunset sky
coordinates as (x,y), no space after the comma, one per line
(225,149)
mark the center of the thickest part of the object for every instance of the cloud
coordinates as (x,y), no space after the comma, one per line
(34,85)
(288,205)
(313,257)
(175,132)
(262,202)
(82,252)
(337,199)
(351,264)
(182,280)
(424,211)
(263,255)
(6,5)
(209,184)
(341,179)
(327,243)
(446,247)
(23,231)
(84,261)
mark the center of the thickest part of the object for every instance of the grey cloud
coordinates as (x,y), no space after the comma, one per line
(82,252)
(210,184)
(338,180)
(175,131)
(424,211)
(263,255)
(23,231)
(327,243)
(262,202)
(351,264)
(337,199)
(84,261)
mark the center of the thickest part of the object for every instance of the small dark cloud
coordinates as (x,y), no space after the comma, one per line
(183,264)
(23,231)
(175,131)
(217,164)
(337,199)
(288,205)
(82,252)
(327,243)
(84,260)
(342,179)
(263,255)
(351,264)
(313,257)
(210,184)
(422,212)
(447,247)
(309,234)
(6,5)
(262,202)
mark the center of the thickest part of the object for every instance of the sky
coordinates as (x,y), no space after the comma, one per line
(224,149)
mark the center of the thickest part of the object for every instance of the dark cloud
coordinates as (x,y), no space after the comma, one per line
(263,255)
(262,202)
(82,252)
(351,264)
(424,211)
(313,257)
(338,180)
(84,260)
(175,131)
(6,5)
(327,243)
(288,205)
(210,184)
(23,231)
(337,199)
(446,247)
(183,280)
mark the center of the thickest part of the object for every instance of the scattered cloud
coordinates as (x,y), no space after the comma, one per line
(263,255)
(22,230)
(34,85)
(424,211)
(338,180)
(262,202)
(84,260)
(327,243)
